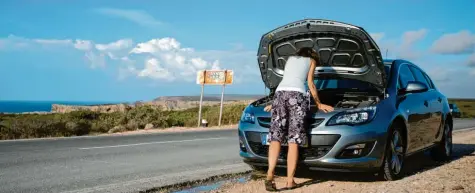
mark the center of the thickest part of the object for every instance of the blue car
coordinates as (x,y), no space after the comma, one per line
(385,110)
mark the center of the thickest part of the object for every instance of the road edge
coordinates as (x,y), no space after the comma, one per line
(130,133)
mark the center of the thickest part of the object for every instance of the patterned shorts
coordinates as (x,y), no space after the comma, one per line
(289,112)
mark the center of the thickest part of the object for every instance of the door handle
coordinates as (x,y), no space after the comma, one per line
(426,103)
(439,99)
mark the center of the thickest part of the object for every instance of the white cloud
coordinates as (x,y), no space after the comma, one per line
(157,59)
(116,50)
(471,60)
(17,42)
(182,63)
(377,36)
(114,46)
(409,38)
(83,45)
(95,60)
(402,48)
(53,41)
(137,16)
(159,45)
(459,86)
(94,54)
(462,42)
(154,70)
(439,74)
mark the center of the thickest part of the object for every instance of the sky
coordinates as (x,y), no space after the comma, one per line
(131,50)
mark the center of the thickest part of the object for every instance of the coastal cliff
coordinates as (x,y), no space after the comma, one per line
(162,104)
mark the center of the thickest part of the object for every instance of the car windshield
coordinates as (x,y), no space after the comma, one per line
(347,84)
(451,105)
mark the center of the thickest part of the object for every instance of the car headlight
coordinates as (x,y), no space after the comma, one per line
(248,117)
(353,117)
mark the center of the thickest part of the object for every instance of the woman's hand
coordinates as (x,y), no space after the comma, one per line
(268,108)
(325,108)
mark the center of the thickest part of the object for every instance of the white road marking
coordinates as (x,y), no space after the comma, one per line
(156,142)
(462,130)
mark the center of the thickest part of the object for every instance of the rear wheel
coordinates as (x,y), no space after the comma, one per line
(394,156)
(443,150)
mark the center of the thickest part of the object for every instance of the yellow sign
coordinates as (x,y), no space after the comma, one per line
(216,77)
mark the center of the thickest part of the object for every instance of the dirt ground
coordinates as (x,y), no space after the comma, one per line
(423,175)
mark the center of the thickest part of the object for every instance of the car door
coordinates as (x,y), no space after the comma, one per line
(415,109)
(438,109)
(434,106)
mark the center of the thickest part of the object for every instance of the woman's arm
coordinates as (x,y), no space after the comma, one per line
(310,81)
(313,88)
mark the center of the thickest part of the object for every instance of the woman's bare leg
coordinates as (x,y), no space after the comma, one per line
(274,151)
(292,157)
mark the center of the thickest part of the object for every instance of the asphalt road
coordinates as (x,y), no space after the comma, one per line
(121,163)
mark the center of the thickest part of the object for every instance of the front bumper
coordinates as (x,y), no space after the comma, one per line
(325,148)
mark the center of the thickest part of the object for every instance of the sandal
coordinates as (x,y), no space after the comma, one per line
(295,185)
(270,185)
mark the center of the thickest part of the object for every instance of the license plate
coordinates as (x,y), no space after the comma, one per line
(266,137)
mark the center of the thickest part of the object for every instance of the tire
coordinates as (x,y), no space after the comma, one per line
(393,162)
(443,150)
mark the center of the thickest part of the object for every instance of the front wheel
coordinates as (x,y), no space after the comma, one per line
(443,150)
(394,156)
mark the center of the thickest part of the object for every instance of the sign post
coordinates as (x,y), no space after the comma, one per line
(213,77)
(201,101)
(221,107)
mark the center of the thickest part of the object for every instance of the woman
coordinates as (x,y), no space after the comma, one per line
(289,110)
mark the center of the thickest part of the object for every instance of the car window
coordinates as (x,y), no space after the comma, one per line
(405,75)
(431,84)
(419,76)
(451,106)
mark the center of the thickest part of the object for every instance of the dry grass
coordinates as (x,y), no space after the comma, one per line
(467,107)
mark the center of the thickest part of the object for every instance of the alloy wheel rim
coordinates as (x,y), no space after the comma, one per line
(397,153)
(448,141)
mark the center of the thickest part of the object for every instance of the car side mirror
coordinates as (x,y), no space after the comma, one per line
(413,87)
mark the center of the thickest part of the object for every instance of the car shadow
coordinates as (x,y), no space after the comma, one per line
(418,163)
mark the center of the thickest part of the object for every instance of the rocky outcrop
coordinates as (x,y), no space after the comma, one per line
(97,108)
(164,105)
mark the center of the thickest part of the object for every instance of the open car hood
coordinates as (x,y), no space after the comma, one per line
(346,51)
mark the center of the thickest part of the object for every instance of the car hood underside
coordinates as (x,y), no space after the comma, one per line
(346,51)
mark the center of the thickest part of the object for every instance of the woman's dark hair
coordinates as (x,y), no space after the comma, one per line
(308,52)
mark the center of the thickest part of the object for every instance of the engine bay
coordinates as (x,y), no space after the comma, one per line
(350,101)
(336,99)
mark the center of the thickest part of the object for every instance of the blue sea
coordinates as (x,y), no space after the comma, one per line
(44,106)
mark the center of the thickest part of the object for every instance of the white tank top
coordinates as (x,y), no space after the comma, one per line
(295,74)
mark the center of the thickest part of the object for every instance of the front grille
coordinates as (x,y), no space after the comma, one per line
(309,153)
(319,146)
(312,122)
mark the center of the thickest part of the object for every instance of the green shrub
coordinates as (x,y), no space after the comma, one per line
(85,122)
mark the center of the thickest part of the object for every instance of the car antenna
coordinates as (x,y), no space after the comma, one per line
(386,53)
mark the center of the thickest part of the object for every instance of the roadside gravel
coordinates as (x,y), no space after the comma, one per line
(423,175)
